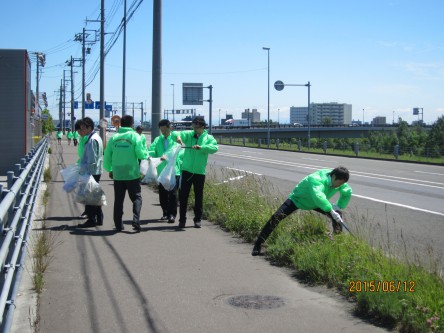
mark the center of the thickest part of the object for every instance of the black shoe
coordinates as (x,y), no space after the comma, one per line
(119,229)
(181,225)
(171,219)
(83,215)
(256,249)
(197,224)
(164,217)
(99,223)
(87,224)
(136,226)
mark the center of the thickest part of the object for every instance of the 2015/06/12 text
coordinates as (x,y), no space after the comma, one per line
(386,286)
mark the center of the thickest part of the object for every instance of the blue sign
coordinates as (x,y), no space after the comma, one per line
(89,105)
(108,107)
(76,105)
(97,105)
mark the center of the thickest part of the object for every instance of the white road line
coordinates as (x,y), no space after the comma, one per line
(248,172)
(431,173)
(359,173)
(398,204)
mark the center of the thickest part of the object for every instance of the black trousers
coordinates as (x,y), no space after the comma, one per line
(189,179)
(283,211)
(168,199)
(95,213)
(134,192)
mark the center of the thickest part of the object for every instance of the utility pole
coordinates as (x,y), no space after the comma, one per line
(102,68)
(156,86)
(60,104)
(72,96)
(81,37)
(124,59)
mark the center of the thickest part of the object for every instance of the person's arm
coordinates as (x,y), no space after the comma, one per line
(345,193)
(152,150)
(108,156)
(319,198)
(210,145)
(141,151)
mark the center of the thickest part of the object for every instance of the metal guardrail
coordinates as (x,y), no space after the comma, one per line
(16,209)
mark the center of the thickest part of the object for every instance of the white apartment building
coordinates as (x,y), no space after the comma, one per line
(252,115)
(322,113)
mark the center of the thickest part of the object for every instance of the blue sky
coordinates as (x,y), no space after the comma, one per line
(383,57)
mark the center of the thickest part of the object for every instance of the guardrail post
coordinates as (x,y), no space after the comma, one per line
(277,143)
(356,148)
(324,147)
(243,140)
(1,198)
(299,145)
(396,151)
(259,142)
(231,140)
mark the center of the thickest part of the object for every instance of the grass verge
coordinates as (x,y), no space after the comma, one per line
(386,290)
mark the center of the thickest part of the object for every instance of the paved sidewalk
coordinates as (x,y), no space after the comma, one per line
(163,280)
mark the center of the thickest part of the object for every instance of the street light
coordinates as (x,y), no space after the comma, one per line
(172,84)
(268,104)
(279,85)
(362,117)
(278,117)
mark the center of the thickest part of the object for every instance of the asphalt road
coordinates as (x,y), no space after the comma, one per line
(163,280)
(396,205)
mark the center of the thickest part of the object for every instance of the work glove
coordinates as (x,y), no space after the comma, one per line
(336,222)
(336,216)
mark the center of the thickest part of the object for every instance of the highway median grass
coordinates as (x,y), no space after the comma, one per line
(385,289)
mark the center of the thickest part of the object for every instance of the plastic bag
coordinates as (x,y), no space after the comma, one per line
(168,175)
(89,192)
(143,168)
(151,173)
(70,175)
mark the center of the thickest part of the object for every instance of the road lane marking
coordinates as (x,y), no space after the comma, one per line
(359,173)
(398,204)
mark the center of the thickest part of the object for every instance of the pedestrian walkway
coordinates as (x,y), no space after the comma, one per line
(164,280)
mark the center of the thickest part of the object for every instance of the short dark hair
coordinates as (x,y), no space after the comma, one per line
(78,124)
(127,121)
(200,121)
(87,122)
(340,173)
(139,128)
(164,122)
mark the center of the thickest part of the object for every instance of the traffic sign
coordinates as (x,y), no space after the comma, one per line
(279,85)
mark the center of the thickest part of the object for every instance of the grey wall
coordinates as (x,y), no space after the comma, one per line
(15,107)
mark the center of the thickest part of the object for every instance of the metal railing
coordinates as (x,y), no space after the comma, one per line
(16,209)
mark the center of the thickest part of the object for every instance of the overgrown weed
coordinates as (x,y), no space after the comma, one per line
(387,284)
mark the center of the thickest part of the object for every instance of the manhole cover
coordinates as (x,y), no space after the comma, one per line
(257,302)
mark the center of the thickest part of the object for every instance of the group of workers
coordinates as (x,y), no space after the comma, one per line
(126,148)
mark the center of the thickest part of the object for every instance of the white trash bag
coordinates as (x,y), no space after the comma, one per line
(168,175)
(70,175)
(89,192)
(151,173)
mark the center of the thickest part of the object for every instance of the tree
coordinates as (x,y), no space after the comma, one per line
(435,138)
(47,124)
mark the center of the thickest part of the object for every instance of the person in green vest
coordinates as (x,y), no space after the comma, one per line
(160,146)
(59,135)
(69,136)
(83,138)
(121,160)
(198,145)
(75,137)
(313,193)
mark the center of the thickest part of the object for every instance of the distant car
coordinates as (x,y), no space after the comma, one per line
(111,129)
(298,124)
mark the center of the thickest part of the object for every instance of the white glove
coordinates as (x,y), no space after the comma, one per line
(335,216)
